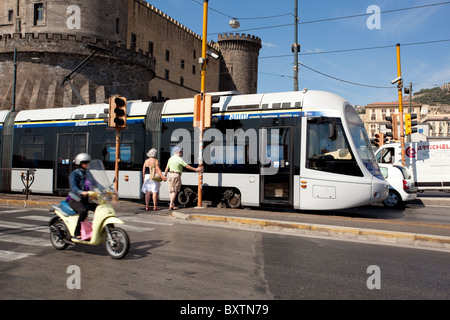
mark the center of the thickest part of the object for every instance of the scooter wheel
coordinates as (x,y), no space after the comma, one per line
(120,244)
(57,231)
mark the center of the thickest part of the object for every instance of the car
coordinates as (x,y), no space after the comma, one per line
(401,185)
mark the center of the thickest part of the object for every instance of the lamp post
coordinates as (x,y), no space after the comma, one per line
(202,103)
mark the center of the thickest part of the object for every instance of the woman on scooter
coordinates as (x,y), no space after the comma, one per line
(78,198)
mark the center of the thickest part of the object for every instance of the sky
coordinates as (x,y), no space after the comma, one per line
(353,56)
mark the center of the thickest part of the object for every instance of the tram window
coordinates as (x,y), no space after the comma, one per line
(30,152)
(129,157)
(329,152)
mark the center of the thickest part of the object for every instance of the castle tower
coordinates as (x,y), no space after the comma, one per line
(52,38)
(239,64)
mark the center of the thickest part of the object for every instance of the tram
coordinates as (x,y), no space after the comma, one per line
(304,150)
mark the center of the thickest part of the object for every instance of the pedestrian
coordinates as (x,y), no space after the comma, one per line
(152,179)
(173,172)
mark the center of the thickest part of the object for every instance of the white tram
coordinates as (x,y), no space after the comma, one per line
(305,150)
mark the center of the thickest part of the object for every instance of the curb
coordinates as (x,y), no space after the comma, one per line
(405,238)
(27,203)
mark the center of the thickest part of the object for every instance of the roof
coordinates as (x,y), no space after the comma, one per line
(392,104)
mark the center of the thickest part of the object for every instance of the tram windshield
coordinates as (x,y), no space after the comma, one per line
(361,140)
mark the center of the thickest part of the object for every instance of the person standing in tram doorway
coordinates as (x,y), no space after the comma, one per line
(152,179)
(173,172)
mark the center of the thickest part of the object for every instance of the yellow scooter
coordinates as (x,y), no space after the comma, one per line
(63,224)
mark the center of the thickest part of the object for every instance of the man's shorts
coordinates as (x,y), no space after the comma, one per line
(174,181)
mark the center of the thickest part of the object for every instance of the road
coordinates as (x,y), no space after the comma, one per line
(172,259)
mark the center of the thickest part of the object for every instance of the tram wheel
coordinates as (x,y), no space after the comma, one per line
(232,198)
(186,196)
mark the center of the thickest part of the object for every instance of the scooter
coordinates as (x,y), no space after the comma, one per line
(63,224)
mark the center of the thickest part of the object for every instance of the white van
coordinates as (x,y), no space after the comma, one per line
(428,162)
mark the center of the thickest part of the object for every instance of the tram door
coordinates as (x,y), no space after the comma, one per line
(68,146)
(277,168)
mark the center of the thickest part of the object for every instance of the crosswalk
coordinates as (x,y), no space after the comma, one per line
(24,233)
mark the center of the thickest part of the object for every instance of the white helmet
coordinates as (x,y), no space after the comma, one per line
(82,157)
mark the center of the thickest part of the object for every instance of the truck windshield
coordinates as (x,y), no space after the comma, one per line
(361,140)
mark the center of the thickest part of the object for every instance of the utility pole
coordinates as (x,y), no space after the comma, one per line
(14,80)
(400,104)
(296,46)
(202,103)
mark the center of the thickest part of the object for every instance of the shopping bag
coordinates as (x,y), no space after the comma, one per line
(86,230)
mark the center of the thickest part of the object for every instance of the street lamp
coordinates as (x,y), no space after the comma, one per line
(234,23)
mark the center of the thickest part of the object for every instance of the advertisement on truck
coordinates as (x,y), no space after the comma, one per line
(427,161)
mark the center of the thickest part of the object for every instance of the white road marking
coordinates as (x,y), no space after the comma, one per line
(31,241)
(7,256)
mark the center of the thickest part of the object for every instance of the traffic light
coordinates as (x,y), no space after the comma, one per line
(393,125)
(208,105)
(207,112)
(378,140)
(117,112)
(410,123)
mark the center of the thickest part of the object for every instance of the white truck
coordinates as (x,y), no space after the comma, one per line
(427,161)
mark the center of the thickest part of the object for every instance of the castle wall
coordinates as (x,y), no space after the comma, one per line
(154,28)
(79,17)
(151,55)
(45,59)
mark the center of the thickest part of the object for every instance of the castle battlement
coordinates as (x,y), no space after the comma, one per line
(73,44)
(239,36)
(239,41)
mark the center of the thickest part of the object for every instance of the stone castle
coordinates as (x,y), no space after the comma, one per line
(83,51)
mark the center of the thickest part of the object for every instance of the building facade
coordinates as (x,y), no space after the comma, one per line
(375,118)
(83,51)
(437,125)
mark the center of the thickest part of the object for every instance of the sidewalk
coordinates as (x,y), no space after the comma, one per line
(345,226)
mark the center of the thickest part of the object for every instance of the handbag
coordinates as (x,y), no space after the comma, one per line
(154,175)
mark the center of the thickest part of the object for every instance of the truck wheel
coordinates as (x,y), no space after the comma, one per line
(393,200)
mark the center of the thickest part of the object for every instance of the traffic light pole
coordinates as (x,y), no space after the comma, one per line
(117,119)
(202,106)
(116,166)
(400,104)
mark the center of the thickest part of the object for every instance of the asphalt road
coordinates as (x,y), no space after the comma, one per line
(173,259)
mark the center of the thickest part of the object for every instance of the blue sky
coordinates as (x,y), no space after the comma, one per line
(424,65)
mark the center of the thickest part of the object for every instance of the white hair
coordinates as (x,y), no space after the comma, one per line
(152,153)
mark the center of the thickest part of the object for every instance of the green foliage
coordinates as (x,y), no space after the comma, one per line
(433,96)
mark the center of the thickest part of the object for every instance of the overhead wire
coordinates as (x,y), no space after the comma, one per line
(330,19)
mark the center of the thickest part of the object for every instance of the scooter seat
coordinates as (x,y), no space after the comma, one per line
(66,208)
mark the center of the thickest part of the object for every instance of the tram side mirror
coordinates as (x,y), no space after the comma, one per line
(332,131)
